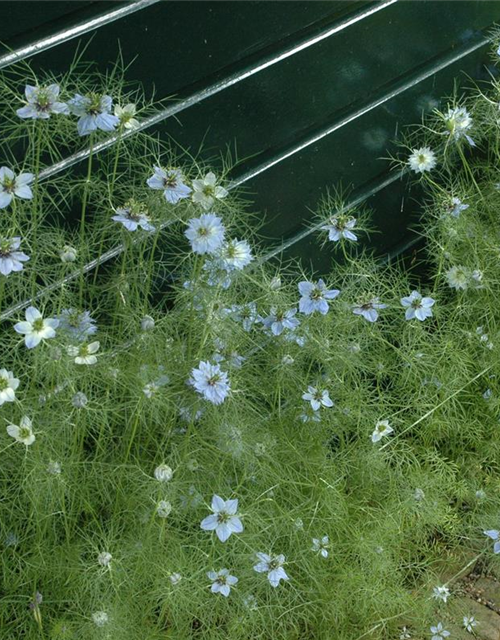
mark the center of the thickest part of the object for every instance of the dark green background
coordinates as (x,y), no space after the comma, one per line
(271,116)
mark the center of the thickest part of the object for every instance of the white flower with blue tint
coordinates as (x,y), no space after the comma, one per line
(439,632)
(441,593)
(163,509)
(12,185)
(235,254)
(79,400)
(211,382)
(339,227)
(417,307)
(35,328)
(94,111)
(100,618)
(382,429)
(11,259)
(77,325)
(494,534)
(315,297)
(206,191)
(278,321)
(318,398)
(131,217)
(459,277)
(23,432)
(175,578)
(422,160)
(104,559)
(8,386)
(369,309)
(147,323)
(456,207)
(68,254)
(224,520)
(163,473)
(459,122)
(273,566)
(218,275)
(469,622)
(41,102)
(321,546)
(245,313)
(126,116)
(54,468)
(206,233)
(84,353)
(171,182)
(222,581)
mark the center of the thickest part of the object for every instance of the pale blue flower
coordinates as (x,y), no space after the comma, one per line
(469,622)
(273,566)
(244,313)
(494,534)
(77,325)
(170,181)
(439,632)
(321,546)
(417,307)
(222,581)
(318,398)
(42,102)
(441,593)
(94,111)
(217,273)
(456,207)
(12,185)
(10,258)
(131,219)
(340,227)
(278,321)
(224,519)
(315,297)
(206,233)
(36,328)
(211,382)
(368,309)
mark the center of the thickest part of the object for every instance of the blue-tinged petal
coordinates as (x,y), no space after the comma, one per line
(210,522)
(86,125)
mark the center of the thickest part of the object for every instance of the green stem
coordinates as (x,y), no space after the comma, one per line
(83,213)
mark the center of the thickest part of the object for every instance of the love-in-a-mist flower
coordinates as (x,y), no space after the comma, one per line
(494,534)
(104,559)
(235,254)
(36,328)
(11,259)
(42,102)
(222,581)
(211,382)
(318,398)
(126,116)
(459,122)
(224,519)
(422,160)
(321,546)
(278,321)
(12,185)
(382,428)
(441,593)
(132,216)
(459,277)
(456,206)
(206,191)
(171,182)
(163,473)
(23,432)
(273,566)
(84,353)
(369,309)
(147,323)
(100,618)
(164,508)
(244,313)
(77,325)
(68,253)
(94,111)
(175,578)
(315,297)
(8,386)
(417,306)
(340,227)
(469,622)
(206,233)
(439,632)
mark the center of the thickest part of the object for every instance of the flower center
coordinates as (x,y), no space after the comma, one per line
(24,432)
(3,384)
(213,380)
(9,184)
(38,324)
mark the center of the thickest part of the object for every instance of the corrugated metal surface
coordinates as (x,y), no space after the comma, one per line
(310,92)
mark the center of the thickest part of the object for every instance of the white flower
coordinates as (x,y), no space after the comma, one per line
(12,185)
(100,618)
(382,428)
(206,191)
(84,354)
(235,254)
(206,234)
(321,546)
(147,323)
(419,494)
(68,254)
(368,309)
(79,400)
(175,578)
(275,283)
(132,217)
(41,102)
(36,328)
(126,116)
(244,313)
(405,634)
(441,593)
(340,227)
(170,182)
(224,519)
(417,307)
(54,468)
(163,473)
(469,623)
(104,558)
(211,382)
(8,386)
(422,160)
(439,632)
(94,111)
(318,398)
(222,581)
(10,258)
(273,566)
(22,433)
(494,534)
(278,321)
(163,508)
(458,122)
(459,277)
(315,296)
